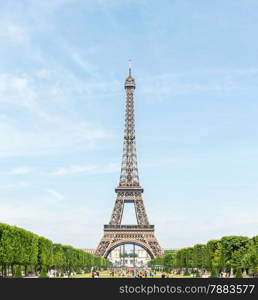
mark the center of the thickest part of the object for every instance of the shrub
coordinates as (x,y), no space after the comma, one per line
(43,273)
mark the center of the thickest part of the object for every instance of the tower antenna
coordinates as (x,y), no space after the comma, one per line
(130,66)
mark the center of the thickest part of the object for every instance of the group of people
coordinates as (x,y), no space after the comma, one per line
(165,275)
(132,273)
(144,274)
(95,274)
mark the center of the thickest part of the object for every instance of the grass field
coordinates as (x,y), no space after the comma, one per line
(106,274)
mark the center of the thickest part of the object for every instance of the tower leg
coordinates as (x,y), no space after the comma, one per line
(134,256)
(123,255)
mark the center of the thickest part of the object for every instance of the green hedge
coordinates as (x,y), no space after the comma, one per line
(229,254)
(19,247)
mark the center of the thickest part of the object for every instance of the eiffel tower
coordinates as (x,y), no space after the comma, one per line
(129,191)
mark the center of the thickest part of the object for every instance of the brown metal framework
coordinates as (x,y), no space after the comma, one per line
(129,191)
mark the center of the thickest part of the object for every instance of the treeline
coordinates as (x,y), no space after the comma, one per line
(232,255)
(22,251)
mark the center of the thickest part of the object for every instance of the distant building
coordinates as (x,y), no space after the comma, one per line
(127,259)
(91,251)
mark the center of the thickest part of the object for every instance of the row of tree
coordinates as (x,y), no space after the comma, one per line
(22,249)
(230,254)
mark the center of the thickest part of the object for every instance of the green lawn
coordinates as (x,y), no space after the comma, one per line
(106,274)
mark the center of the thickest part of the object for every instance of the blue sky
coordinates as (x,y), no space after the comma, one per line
(63,65)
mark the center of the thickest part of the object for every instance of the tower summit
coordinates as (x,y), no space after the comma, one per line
(129,191)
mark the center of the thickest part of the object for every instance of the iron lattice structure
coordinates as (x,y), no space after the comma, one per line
(129,191)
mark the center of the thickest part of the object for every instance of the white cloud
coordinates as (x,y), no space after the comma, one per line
(85,65)
(221,81)
(56,91)
(43,129)
(61,136)
(74,170)
(43,74)
(79,226)
(13,32)
(154,163)
(21,171)
(90,169)
(56,194)
(177,228)
(49,5)
(49,133)
(14,186)
(16,90)
(85,169)
(111,167)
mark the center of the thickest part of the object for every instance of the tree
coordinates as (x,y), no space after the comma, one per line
(18,273)
(233,249)
(230,253)
(21,248)
(214,273)
(59,259)
(249,260)
(8,247)
(199,256)
(45,253)
(217,257)
(239,273)
(211,248)
(169,260)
